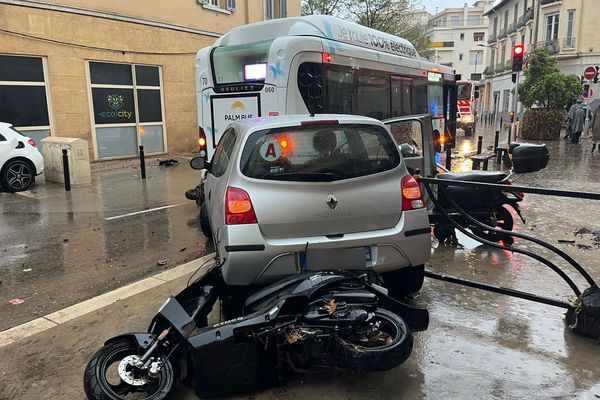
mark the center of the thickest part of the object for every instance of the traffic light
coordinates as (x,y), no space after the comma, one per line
(518,52)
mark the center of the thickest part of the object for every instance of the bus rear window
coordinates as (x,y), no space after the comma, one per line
(319,154)
(240,63)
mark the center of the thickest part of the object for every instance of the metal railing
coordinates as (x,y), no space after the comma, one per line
(552,46)
(499,67)
(489,70)
(512,28)
(544,2)
(569,43)
(492,38)
(528,16)
(508,65)
(460,22)
(521,22)
(502,33)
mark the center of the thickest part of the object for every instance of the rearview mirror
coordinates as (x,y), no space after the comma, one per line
(198,163)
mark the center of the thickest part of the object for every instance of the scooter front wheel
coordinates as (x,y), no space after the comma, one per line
(109,375)
(505,222)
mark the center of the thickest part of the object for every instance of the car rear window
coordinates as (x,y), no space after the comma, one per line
(318,153)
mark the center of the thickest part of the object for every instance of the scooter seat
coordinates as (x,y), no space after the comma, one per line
(475,176)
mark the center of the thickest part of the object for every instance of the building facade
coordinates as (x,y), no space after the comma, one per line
(118,74)
(565,27)
(457,36)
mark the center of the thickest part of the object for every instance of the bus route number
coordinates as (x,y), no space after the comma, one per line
(269,89)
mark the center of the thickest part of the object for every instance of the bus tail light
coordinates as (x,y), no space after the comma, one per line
(412,199)
(202,141)
(238,207)
(327,58)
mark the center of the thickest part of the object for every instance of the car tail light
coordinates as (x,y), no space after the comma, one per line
(32,142)
(320,122)
(412,198)
(238,207)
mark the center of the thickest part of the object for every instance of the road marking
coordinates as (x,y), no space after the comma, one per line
(143,211)
(85,307)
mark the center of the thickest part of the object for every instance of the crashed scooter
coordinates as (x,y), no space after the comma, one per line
(309,321)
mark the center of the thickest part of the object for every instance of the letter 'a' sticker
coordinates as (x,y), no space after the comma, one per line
(270,151)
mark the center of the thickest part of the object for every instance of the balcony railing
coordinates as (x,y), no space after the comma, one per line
(492,39)
(569,43)
(544,2)
(489,70)
(502,34)
(460,22)
(512,28)
(528,16)
(508,65)
(499,68)
(552,45)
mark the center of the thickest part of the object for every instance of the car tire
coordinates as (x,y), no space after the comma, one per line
(204,222)
(17,175)
(405,282)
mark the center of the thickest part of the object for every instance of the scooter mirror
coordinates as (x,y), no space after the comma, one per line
(198,163)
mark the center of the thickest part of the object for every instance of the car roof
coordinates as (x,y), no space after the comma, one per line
(253,124)
(5,124)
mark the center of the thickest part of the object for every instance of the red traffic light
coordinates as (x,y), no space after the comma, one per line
(518,50)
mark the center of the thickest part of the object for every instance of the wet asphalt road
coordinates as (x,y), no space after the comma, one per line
(59,248)
(479,345)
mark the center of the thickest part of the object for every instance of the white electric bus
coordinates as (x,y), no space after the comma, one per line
(316,64)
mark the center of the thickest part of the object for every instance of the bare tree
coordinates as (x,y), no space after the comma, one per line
(320,7)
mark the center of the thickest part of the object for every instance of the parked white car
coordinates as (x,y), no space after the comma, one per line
(20,160)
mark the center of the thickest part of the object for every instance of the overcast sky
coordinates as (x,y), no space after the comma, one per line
(441,4)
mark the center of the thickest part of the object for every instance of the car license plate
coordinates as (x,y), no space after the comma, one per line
(323,259)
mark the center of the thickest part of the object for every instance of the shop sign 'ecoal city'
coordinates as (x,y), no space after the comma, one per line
(113,106)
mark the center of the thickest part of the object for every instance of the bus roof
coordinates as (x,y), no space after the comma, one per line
(323,26)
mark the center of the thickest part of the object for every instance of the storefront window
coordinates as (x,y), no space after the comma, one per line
(128,109)
(24,96)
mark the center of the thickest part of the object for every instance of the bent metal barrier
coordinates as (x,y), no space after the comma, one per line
(583,314)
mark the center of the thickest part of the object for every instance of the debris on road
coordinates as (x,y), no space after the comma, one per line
(565,241)
(162,262)
(16,302)
(184,249)
(27,270)
(167,163)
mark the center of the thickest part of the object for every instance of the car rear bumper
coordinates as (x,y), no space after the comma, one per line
(248,257)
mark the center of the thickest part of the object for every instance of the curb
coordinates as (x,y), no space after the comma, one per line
(85,307)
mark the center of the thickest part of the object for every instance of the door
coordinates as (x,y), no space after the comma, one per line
(414,135)
(215,185)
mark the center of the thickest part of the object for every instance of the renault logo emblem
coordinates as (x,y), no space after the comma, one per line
(331,201)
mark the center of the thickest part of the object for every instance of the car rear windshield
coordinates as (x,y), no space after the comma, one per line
(318,153)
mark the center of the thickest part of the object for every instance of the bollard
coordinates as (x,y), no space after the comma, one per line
(496,139)
(509,134)
(479,144)
(500,124)
(66,173)
(448,158)
(142,162)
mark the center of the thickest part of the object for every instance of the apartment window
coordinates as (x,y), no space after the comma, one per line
(495,26)
(503,53)
(570,40)
(24,95)
(506,19)
(505,100)
(454,20)
(462,36)
(127,107)
(493,57)
(473,20)
(478,36)
(516,16)
(214,2)
(275,9)
(551,27)
(524,7)
(460,57)
(475,57)
(268,9)
(523,39)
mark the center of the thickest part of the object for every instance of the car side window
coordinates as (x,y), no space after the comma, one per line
(409,136)
(2,138)
(223,153)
